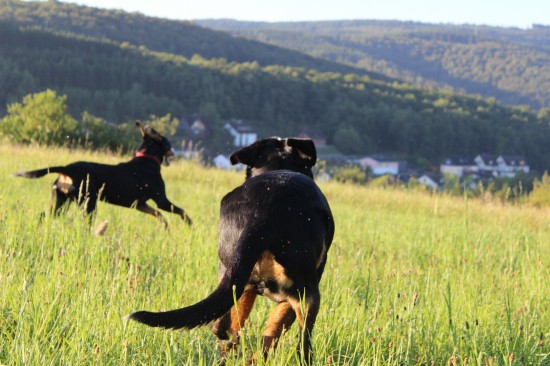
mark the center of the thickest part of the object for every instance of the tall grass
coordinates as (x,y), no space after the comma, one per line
(411,279)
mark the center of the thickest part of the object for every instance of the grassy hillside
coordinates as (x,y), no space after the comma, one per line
(510,64)
(411,278)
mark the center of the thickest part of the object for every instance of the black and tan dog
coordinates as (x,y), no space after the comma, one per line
(275,231)
(129,184)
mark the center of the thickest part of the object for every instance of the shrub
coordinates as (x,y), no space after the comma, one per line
(41,118)
(540,196)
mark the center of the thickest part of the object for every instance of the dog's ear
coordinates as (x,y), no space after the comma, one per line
(245,155)
(140,127)
(154,134)
(151,132)
(305,148)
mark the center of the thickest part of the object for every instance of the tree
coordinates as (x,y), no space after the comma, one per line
(544,114)
(95,132)
(347,140)
(165,125)
(41,118)
(14,83)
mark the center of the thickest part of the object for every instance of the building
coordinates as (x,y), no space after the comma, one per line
(242,133)
(193,127)
(459,166)
(430,180)
(485,166)
(380,164)
(510,165)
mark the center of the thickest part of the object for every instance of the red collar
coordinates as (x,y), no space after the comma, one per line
(144,155)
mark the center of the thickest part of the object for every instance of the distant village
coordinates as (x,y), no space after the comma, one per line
(467,169)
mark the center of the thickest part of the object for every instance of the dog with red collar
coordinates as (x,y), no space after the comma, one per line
(129,184)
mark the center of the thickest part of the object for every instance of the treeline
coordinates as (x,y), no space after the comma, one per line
(120,82)
(512,65)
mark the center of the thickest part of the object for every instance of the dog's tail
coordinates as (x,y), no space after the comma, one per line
(219,302)
(40,172)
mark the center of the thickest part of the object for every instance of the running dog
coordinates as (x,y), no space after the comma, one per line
(129,184)
(274,234)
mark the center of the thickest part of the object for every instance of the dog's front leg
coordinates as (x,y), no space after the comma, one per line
(164,204)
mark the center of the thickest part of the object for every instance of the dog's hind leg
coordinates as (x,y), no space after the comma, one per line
(86,196)
(306,308)
(281,318)
(60,199)
(88,205)
(227,328)
(145,208)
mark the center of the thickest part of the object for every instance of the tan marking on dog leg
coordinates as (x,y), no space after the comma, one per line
(64,183)
(297,307)
(240,313)
(237,318)
(281,318)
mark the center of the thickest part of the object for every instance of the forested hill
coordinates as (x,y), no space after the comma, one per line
(123,79)
(177,37)
(121,82)
(510,64)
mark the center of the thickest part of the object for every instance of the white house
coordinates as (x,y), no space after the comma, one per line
(243,134)
(380,164)
(510,165)
(502,165)
(458,166)
(485,165)
(193,127)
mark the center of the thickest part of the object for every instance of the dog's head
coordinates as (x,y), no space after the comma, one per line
(154,144)
(274,153)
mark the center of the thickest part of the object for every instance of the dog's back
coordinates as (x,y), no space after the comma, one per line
(288,207)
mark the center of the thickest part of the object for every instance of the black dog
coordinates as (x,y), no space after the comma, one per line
(275,231)
(127,184)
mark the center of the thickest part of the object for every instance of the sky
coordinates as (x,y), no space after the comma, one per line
(508,13)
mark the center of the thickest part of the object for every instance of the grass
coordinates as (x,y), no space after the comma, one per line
(411,279)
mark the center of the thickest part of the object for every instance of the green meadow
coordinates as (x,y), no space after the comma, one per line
(412,278)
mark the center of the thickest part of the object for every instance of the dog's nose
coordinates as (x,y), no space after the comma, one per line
(170,152)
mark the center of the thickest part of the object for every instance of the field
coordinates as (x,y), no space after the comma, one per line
(411,278)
